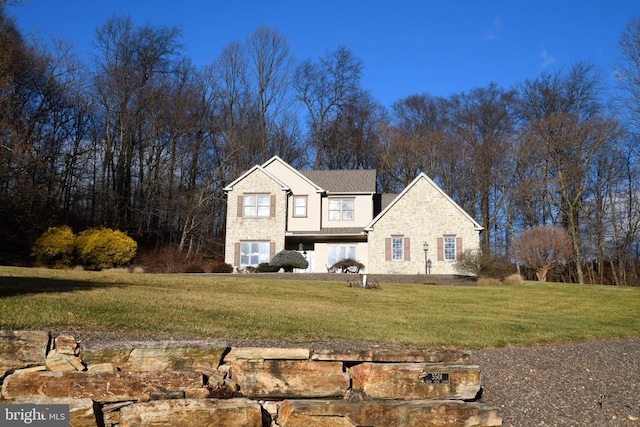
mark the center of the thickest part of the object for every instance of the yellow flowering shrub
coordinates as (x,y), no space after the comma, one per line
(55,248)
(100,248)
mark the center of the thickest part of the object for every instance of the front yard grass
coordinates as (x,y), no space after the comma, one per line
(242,307)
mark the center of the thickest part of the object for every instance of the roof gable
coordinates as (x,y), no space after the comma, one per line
(277,159)
(256,168)
(344,181)
(422,175)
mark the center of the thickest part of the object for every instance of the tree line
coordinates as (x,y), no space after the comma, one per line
(139,139)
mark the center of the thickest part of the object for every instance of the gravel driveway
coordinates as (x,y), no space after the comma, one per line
(589,384)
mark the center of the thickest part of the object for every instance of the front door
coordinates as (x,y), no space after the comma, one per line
(309,255)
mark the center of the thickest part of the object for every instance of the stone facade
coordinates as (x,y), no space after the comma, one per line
(268,229)
(421,214)
(261,387)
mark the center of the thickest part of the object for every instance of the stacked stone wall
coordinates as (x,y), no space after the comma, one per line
(210,383)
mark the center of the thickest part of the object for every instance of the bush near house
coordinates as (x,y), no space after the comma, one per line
(221,267)
(265,267)
(347,266)
(100,248)
(476,263)
(288,260)
(55,248)
(170,259)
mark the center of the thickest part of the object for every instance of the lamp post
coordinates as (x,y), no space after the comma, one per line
(425,248)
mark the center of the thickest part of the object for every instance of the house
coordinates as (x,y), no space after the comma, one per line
(333,215)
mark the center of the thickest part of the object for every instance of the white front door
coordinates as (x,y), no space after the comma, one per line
(309,255)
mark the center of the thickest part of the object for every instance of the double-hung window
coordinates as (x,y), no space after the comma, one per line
(300,206)
(254,253)
(449,248)
(256,206)
(341,209)
(397,248)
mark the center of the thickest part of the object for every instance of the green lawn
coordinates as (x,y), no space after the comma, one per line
(243,307)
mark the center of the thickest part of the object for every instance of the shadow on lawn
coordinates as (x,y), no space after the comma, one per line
(12,286)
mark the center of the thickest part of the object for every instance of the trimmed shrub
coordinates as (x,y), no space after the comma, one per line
(265,267)
(221,267)
(100,248)
(55,248)
(288,260)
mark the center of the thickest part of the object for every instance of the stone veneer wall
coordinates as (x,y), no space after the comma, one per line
(193,383)
(422,218)
(270,229)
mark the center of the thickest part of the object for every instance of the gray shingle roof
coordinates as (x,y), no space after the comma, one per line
(386,199)
(332,230)
(344,181)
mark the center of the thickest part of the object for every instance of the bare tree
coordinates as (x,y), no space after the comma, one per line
(544,249)
(128,84)
(41,129)
(325,88)
(226,92)
(484,123)
(628,70)
(564,116)
(271,66)
(628,78)
(418,124)
(355,141)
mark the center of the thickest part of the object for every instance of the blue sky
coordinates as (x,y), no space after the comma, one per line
(407,47)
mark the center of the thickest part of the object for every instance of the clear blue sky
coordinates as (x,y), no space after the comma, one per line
(407,47)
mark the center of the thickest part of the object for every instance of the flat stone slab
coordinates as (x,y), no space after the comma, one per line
(190,412)
(416,381)
(266,353)
(275,379)
(324,413)
(155,355)
(393,355)
(99,386)
(21,349)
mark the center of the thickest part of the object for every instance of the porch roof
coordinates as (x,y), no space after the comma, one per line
(330,231)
